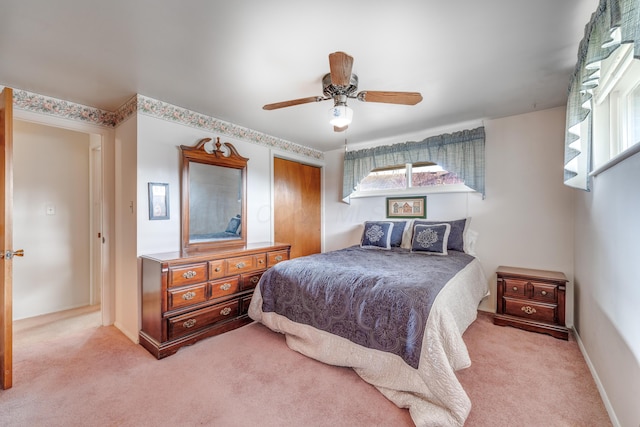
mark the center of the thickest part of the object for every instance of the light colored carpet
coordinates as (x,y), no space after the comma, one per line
(248,377)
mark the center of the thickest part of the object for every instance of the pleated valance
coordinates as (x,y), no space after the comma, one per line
(461,152)
(615,22)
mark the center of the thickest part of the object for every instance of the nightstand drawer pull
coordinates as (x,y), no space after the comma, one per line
(218,269)
(543,293)
(188,295)
(515,288)
(225,287)
(260,261)
(189,274)
(278,258)
(225,311)
(255,280)
(240,265)
(189,323)
(529,310)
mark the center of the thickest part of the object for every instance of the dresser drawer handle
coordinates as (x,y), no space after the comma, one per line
(240,265)
(188,295)
(225,287)
(254,280)
(278,258)
(218,269)
(189,323)
(260,261)
(190,274)
(543,293)
(515,288)
(529,310)
(225,311)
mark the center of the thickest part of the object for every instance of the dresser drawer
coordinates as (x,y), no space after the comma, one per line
(182,297)
(276,257)
(530,310)
(191,322)
(241,264)
(216,269)
(225,287)
(187,275)
(249,281)
(544,292)
(245,305)
(515,288)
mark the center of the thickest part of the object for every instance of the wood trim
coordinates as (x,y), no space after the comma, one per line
(6,229)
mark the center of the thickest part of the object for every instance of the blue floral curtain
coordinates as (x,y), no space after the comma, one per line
(460,152)
(615,22)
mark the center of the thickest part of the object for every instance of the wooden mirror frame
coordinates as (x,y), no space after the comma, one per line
(224,155)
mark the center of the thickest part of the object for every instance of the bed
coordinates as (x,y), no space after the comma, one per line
(388,308)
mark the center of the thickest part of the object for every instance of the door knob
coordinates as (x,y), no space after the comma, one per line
(11,254)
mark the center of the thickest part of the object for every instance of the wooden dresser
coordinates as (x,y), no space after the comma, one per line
(186,298)
(531,299)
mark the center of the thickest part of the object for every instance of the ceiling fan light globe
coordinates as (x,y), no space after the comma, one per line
(340,116)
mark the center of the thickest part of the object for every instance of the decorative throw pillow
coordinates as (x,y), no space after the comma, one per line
(234,225)
(456,237)
(397,232)
(430,239)
(376,235)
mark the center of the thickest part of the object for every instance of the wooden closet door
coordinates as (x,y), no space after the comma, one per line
(297,206)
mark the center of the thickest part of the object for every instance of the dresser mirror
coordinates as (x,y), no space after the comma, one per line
(213,196)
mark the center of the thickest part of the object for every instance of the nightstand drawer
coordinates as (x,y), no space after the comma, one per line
(530,310)
(544,292)
(515,288)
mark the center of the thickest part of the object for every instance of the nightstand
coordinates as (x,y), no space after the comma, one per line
(533,300)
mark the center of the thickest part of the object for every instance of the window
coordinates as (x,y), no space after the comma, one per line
(616,112)
(409,176)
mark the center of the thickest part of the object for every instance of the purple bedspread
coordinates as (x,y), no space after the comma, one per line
(375,298)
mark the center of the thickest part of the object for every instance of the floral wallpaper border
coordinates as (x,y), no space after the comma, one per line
(33,102)
(165,111)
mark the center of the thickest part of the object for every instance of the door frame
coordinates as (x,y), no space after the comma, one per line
(106,139)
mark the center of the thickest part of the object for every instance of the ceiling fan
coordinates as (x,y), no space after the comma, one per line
(339,85)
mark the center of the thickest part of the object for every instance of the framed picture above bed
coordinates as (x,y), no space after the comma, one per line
(407,207)
(158,200)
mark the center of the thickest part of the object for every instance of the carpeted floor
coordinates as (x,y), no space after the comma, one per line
(249,377)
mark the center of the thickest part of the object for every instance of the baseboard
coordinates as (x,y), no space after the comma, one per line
(594,374)
(132,337)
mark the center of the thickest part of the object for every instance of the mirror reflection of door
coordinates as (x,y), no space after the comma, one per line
(297,206)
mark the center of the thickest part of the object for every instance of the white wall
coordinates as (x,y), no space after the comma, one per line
(51,170)
(126,296)
(525,219)
(159,160)
(607,282)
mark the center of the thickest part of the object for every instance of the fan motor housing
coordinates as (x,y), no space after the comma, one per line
(331,90)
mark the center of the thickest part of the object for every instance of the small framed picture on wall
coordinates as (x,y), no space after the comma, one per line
(407,207)
(158,201)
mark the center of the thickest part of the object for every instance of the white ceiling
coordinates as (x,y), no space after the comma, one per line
(470,59)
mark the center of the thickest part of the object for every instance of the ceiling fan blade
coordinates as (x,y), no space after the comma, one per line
(340,129)
(406,98)
(340,65)
(292,102)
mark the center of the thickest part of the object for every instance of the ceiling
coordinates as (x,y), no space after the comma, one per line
(471,60)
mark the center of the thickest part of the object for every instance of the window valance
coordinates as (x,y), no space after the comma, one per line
(461,152)
(615,22)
